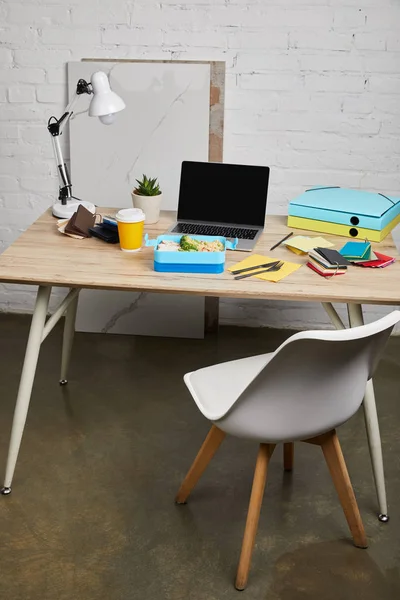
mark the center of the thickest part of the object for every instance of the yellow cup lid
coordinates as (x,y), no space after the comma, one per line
(130,215)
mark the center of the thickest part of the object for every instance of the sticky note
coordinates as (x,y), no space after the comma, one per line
(254,260)
(301,244)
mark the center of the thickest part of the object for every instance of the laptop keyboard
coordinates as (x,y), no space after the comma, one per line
(228,232)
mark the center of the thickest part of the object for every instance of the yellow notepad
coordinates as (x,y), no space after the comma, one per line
(301,244)
(257,259)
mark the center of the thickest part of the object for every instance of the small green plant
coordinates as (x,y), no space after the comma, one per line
(147,187)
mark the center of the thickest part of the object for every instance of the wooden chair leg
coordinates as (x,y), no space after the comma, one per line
(257,492)
(288,456)
(337,467)
(210,445)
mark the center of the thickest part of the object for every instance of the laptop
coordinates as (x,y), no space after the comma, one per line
(222,199)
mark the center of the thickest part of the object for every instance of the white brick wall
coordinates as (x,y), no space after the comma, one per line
(313,90)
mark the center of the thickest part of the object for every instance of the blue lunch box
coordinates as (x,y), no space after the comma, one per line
(189,262)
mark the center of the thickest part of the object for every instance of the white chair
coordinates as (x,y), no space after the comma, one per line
(311,384)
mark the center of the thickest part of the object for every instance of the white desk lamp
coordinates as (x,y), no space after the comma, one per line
(104,104)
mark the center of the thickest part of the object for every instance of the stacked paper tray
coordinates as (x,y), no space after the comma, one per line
(349,213)
(189,262)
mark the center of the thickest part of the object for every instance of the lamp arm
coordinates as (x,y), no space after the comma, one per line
(65,185)
(55,128)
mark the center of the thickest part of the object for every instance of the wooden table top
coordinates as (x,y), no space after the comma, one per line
(43,256)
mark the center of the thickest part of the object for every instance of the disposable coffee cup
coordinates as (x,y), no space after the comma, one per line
(130,228)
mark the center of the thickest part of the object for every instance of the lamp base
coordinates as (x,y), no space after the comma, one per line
(65,211)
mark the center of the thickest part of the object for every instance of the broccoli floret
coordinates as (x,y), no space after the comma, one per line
(188,244)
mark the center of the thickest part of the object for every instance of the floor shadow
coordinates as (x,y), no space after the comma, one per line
(332,571)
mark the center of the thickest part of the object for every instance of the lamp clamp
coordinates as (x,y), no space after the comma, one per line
(83,87)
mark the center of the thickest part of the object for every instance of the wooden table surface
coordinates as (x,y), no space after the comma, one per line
(41,255)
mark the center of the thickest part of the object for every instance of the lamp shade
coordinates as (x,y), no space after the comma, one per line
(104,102)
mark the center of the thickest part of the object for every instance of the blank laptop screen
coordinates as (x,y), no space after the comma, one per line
(222,193)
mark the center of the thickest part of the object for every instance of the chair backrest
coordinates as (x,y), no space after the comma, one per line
(314,382)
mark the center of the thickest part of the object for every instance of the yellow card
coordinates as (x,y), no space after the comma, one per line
(283,272)
(301,244)
(251,261)
(257,259)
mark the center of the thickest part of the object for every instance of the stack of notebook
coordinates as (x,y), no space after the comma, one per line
(380,261)
(362,255)
(327,262)
(357,251)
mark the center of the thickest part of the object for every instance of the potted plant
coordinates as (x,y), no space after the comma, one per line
(148,196)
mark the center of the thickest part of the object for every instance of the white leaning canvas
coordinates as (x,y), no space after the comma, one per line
(166,121)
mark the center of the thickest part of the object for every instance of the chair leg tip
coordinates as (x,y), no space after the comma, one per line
(180,502)
(5,491)
(383,518)
(363,544)
(63,381)
(240,586)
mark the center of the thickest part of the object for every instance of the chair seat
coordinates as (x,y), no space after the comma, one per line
(215,389)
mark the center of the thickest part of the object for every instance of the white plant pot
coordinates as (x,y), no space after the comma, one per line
(150,205)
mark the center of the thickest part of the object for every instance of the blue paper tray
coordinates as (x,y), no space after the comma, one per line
(189,262)
(354,208)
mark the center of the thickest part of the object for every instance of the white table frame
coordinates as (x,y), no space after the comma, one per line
(39,330)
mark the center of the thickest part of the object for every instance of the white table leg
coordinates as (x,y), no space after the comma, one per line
(370,414)
(356,319)
(68,338)
(333,315)
(26,382)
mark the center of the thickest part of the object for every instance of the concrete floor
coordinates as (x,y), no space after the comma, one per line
(92,513)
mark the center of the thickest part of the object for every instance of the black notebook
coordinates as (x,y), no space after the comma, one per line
(333,257)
